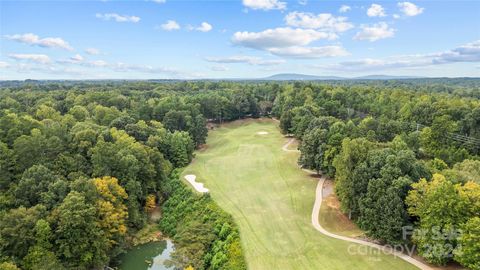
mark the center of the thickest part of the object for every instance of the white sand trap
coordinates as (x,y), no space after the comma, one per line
(198,186)
(262,133)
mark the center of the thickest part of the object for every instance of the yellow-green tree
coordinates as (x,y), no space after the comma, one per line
(8,266)
(445,209)
(150,203)
(468,251)
(111,208)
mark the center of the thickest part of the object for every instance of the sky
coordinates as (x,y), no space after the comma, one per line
(179,39)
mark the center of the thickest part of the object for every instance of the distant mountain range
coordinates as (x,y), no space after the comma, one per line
(305,77)
(300,77)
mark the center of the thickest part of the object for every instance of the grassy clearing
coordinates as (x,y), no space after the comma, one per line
(271,199)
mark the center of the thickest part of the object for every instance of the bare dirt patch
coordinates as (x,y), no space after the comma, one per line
(202,147)
(155,214)
(336,218)
(328,188)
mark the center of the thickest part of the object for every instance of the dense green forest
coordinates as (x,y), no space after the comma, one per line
(80,167)
(400,159)
(81,163)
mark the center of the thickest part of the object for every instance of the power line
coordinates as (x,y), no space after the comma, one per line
(456,137)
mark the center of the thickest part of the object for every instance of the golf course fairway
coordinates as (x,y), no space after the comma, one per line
(252,178)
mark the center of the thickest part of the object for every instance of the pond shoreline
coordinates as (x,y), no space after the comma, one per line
(153,255)
(146,248)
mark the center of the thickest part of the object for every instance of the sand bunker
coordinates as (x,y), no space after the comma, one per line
(198,186)
(262,133)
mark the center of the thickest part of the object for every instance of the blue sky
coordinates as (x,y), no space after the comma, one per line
(237,38)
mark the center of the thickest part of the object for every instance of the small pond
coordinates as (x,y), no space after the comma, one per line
(150,256)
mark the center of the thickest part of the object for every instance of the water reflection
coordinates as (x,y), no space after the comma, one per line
(150,256)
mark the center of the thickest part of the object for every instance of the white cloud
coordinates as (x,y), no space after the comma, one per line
(265,4)
(377,64)
(396,16)
(251,60)
(376,10)
(204,27)
(310,52)
(322,21)
(170,72)
(219,68)
(77,58)
(47,69)
(289,42)
(92,51)
(4,64)
(344,8)
(37,58)
(468,53)
(410,9)
(32,39)
(170,25)
(375,32)
(80,61)
(75,67)
(159,1)
(303,2)
(280,37)
(118,18)
(97,63)
(125,67)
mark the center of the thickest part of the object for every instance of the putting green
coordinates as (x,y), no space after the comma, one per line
(271,199)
